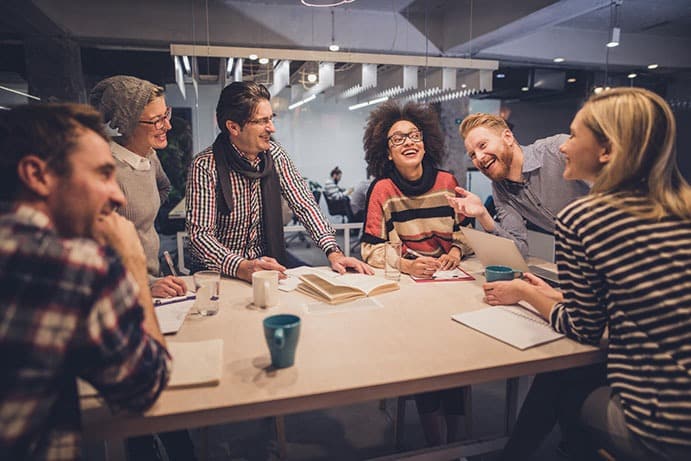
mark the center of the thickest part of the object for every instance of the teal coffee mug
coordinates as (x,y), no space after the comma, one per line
(282,332)
(495,273)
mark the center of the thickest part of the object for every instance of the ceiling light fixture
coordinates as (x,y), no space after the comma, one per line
(614,23)
(367,103)
(525,88)
(301,102)
(571,80)
(652,66)
(500,75)
(558,60)
(312,78)
(253,57)
(263,60)
(632,75)
(325,3)
(333,47)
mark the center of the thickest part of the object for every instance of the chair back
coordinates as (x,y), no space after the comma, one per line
(336,207)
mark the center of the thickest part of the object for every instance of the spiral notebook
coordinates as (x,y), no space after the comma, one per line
(514,325)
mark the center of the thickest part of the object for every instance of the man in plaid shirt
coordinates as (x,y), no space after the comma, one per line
(234,192)
(74,298)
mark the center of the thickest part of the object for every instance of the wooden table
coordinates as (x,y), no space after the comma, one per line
(409,345)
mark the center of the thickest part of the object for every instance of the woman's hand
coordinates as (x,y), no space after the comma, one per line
(505,292)
(451,260)
(423,267)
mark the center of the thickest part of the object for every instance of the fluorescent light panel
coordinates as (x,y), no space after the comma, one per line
(367,103)
(304,101)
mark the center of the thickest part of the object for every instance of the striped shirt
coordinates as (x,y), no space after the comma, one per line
(221,242)
(424,223)
(634,276)
(68,309)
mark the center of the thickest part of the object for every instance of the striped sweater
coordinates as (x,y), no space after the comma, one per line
(634,276)
(424,223)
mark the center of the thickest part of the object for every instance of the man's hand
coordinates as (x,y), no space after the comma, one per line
(422,267)
(468,204)
(120,234)
(340,263)
(263,263)
(167,287)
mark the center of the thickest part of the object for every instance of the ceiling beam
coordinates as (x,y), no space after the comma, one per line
(331,56)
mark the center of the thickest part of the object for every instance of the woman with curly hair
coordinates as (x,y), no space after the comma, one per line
(407,200)
(407,203)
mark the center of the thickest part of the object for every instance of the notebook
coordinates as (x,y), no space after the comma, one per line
(197,363)
(172,314)
(492,250)
(514,325)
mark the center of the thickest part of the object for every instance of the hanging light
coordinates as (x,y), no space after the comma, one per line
(334,46)
(615,35)
(325,3)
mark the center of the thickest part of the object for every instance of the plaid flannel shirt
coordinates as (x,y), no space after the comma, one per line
(68,309)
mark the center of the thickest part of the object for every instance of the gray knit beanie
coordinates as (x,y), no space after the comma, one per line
(121,99)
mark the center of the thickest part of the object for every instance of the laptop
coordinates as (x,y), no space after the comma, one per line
(492,250)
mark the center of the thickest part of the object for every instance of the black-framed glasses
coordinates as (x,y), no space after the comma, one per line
(160,122)
(397,139)
(264,121)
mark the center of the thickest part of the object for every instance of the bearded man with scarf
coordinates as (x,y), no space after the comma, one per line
(234,189)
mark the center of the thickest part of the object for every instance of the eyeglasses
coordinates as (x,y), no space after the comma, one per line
(397,139)
(160,122)
(264,121)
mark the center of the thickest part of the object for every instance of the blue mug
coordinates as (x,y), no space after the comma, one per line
(282,332)
(495,273)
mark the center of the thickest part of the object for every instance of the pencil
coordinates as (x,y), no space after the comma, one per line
(413,252)
(169,261)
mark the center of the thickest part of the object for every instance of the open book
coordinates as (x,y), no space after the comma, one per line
(517,326)
(336,288)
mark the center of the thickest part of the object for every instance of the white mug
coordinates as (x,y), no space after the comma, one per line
(265,288)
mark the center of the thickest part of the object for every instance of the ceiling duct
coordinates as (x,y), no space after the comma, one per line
(357,79)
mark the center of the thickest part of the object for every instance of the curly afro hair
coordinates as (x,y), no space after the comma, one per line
(381,120)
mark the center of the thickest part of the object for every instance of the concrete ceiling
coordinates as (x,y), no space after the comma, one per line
(529,31)
(517,33)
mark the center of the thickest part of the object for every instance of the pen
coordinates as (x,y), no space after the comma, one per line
(169,261)
(413,253)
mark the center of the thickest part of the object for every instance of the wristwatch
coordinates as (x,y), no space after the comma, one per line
(335,249)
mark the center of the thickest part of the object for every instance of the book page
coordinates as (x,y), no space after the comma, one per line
(364,283)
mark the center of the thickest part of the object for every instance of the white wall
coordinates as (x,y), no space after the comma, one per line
(317,136)
(323,134)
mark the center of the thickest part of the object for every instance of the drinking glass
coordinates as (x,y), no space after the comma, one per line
(207,284)
(392,260)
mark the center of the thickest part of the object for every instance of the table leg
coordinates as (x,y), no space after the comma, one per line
(511,404)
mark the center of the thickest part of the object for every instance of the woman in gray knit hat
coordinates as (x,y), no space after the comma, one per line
(136,114)
(138,118)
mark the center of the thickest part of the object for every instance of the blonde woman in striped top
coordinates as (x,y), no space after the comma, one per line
(624,258)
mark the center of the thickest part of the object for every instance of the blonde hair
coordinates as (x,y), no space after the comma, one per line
(493,122)
(638,128)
